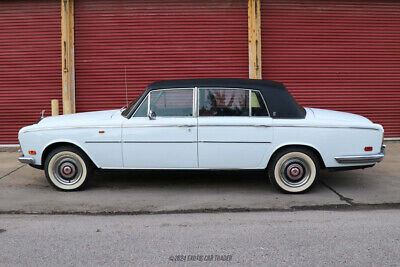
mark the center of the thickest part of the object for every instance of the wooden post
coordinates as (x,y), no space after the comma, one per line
(254,31)
(68,63)
(54,107)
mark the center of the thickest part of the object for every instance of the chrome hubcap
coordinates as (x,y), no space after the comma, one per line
(295,172)
(67,170)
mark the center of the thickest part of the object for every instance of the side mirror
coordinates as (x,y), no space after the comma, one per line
(152,115)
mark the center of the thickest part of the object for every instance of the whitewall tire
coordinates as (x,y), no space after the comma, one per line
(68,169)
(294,170)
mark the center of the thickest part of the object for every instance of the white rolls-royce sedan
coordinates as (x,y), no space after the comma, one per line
(204,124)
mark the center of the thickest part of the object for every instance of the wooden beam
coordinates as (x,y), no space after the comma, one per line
(68,62)
(254,31)
(54,107)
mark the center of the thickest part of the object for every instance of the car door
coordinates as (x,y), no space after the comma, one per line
(166,140)
(234,128)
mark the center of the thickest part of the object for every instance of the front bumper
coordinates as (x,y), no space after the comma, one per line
(364,159)
(26,160)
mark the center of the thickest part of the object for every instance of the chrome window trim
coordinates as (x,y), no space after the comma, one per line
(249,91)
(175,89)
(265,103)
(140,105)
(233,88)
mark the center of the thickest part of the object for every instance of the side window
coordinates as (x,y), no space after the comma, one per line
(142,110)
(172,103)
(257,105)
(223,102)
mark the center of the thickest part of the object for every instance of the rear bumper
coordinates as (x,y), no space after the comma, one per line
(26,160)
(364,159)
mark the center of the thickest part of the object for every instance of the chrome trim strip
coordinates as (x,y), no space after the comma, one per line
(328,126)
(361,159)
(158,125)
(102,142)
(200,125)
(26,160)
(233,142)
(72,127)
(232,125)
(159,142)
(131,142)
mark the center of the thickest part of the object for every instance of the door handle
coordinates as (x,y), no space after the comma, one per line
(186,125)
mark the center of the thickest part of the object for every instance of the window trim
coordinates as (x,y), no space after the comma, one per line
(140,105)
(196,102)
(166,89)
(265,103)
(231,88)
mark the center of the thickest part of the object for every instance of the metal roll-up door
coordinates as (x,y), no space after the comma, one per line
(341,55)
(154,40)
(30,63)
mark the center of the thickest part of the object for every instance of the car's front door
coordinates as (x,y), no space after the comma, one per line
(166,140)
(234,129)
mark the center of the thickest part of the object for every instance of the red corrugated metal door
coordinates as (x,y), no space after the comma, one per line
(30,63)
(154,40)
(342,55)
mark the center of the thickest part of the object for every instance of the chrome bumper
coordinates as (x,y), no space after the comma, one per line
(364,159)
(26,160)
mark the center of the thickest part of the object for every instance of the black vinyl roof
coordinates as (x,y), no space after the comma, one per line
(279,101)
(217,82)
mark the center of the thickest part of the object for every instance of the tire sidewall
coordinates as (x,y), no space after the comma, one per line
(274,172)
(49,164)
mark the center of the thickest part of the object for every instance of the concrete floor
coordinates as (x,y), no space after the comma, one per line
(25,190)
(306,238)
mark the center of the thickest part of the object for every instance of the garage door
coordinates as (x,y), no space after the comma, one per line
(30,63)
(342,55)
(154,40)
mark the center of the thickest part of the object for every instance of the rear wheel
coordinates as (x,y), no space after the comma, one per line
(68,169)
(294,170)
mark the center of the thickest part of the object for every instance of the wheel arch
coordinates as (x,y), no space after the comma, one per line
(50,147)
(306,146)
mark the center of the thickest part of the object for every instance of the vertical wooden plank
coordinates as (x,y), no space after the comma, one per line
(68,64)
(54,107)
(254,32)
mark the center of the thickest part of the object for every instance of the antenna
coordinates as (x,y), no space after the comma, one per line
(126,89)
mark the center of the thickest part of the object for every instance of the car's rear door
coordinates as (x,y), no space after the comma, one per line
(169,140)
(234,128)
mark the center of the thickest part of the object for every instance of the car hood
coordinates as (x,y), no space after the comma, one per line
(85,118)
(337,116)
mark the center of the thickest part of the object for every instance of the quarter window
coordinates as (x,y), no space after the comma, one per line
(172,103)
(223,102)
(257,105)
(142,110)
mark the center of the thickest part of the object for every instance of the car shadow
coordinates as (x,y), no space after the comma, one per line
(178,178)
(238,180)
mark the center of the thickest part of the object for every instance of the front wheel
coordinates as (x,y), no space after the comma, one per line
(68,169)
(294,170)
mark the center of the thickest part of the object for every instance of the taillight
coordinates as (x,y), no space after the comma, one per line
(368,148)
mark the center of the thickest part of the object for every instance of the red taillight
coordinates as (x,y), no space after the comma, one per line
(368,148)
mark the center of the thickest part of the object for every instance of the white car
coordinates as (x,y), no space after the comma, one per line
(204,124)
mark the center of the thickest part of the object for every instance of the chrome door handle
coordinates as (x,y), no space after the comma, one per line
(186,125)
